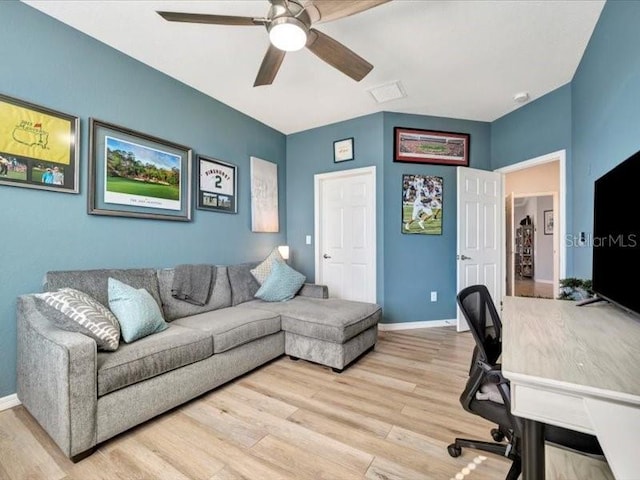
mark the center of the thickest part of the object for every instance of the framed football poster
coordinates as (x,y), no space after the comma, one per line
(217,185)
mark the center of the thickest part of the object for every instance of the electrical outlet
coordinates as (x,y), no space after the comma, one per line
(434,296)
(308,240)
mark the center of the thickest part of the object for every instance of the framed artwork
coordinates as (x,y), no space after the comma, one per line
(264,196)
(343,150)
(217,185)
(38,147)
(548,222)
(428,146)
(421,204)
(132,174)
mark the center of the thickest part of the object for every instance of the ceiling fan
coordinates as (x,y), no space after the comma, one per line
(289,23)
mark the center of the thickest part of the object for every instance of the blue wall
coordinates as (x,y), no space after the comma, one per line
(311,152)
(415,265)
(606,111)
(408,266)
(50,64)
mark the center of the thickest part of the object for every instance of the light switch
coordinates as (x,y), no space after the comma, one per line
(308,240)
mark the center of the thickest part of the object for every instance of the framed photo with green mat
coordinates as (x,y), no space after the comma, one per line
(132,174)
(38,147)
(422,204)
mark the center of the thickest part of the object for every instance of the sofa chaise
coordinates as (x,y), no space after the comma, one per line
(83,396)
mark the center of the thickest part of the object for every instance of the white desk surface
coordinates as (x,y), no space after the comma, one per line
(578,368)
(596,347)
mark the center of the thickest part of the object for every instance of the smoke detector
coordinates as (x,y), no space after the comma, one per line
(521,97)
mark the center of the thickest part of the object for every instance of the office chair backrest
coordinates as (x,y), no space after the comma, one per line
(484,322)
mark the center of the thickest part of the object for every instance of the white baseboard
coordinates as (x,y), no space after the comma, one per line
(9,401)
(412,325)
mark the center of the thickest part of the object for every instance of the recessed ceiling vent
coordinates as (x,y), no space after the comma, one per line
(387,92)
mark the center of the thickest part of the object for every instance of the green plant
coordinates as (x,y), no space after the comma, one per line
(575,289)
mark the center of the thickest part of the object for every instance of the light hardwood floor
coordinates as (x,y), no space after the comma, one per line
(390,416)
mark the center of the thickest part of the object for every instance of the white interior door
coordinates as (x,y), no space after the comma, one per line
(345,218)
(510,241)
(480,246)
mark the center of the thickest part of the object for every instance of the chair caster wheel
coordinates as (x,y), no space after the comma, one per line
(497,435)
(454,451)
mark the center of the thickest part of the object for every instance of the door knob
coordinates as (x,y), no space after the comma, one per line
(326,256)
(464,257)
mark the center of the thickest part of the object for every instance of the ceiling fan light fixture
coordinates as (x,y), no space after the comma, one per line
(288,34)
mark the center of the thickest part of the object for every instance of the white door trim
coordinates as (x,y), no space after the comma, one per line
(317,215)
(561,157)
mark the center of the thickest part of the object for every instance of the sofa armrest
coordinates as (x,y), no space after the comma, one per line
(57,378)
(314,291)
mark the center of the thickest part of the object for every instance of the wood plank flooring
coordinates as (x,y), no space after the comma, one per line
(390,416)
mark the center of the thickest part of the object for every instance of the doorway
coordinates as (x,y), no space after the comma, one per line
(535,203)
(345,233)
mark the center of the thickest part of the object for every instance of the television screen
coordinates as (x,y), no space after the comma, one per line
(616,235)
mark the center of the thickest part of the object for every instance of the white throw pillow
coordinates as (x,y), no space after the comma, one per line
(262,271)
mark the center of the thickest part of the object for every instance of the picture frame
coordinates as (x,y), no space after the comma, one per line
(264,196)
(412,145)
(39,147)
(133,174)
(217,185)
(422,204)
(343,150)
(548,222)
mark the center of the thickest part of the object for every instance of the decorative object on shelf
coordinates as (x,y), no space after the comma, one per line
(429,146)
(548,222)
(343,150)
(264,196)
(132,174)
(217,185)
(38,147)
(575,289)
(422,204)
(524,248)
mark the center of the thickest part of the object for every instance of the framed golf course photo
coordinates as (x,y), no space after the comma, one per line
(132,174)
(38,147)
(412,145)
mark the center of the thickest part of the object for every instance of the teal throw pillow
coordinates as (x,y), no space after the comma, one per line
(281,284)
(136,310)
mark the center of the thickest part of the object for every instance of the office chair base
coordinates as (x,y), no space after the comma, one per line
(455,449)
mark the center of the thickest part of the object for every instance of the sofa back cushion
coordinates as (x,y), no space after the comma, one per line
(95,282)
(243,285)
(173,308)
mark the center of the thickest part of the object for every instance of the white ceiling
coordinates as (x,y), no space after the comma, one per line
(459,59)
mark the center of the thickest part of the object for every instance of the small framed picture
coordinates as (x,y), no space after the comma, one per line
(548,222)
(343,150)
(217,185)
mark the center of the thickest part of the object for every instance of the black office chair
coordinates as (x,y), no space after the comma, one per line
(485,377)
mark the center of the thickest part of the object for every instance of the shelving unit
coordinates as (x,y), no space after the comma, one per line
(524,251)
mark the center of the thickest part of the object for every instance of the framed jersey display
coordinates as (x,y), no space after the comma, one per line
(217,185)
(422,204)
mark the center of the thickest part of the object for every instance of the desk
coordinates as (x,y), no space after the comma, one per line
(578,368)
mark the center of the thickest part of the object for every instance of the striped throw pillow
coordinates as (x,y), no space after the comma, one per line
(89,316)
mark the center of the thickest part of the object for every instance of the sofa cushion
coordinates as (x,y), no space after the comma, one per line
(330,319)
(154,355)
(173,308)
(94,282)
(243,285)
(231,327)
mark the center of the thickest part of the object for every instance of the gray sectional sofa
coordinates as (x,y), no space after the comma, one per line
(82,396)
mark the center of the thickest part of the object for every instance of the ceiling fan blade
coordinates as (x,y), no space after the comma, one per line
(335,9)
(211,19)
(270,66)
(337,55)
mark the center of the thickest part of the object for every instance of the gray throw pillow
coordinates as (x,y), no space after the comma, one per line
(78,312)
(262,271)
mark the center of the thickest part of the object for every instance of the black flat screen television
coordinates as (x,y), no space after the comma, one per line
(616,235)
